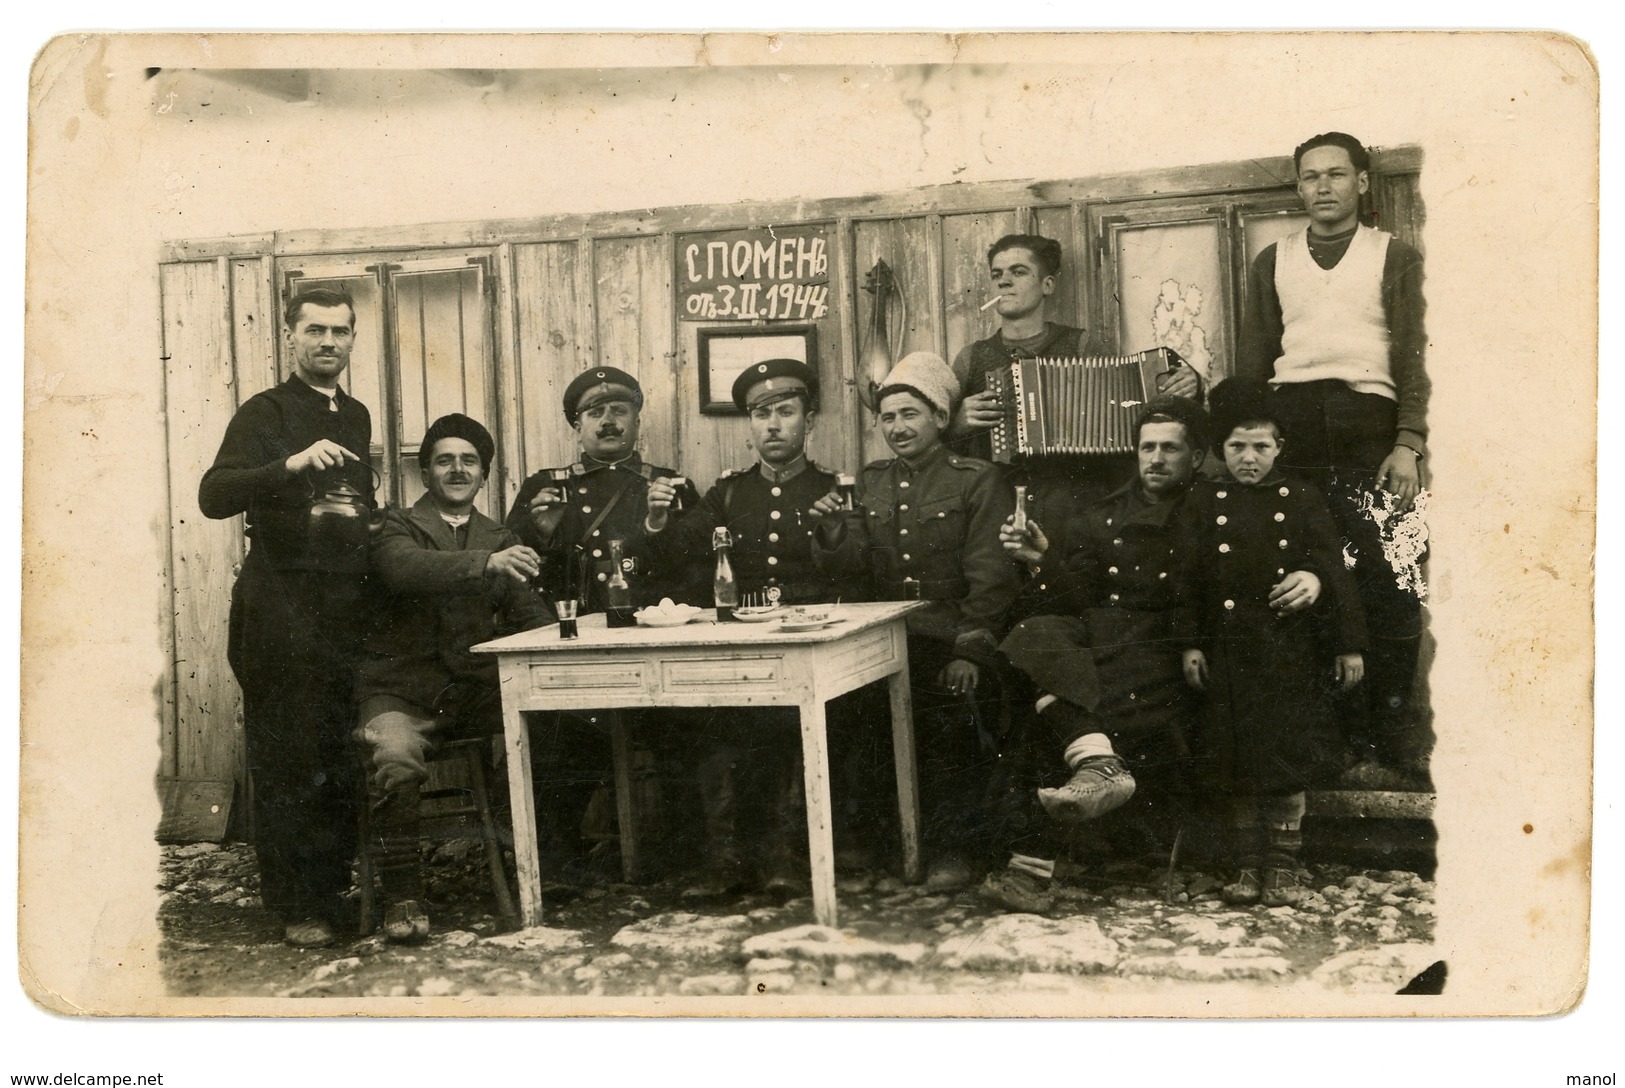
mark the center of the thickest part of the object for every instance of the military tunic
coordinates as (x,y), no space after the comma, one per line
(772,537)
(935,521)
(1105,639)
(604,501)
(1269,714)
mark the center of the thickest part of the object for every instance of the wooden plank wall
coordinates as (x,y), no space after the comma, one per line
(200,394)
(570,292)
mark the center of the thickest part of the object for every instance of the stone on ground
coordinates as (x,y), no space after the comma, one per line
(1026,942)
(822,943)
(679,935)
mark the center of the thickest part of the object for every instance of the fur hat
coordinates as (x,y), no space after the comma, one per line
(1235,401)
(458,425)
(1180,409)
(928,375)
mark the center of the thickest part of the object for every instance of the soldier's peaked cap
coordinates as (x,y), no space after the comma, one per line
(600,384)
(772,380)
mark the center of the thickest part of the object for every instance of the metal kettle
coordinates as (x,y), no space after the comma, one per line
(340,517)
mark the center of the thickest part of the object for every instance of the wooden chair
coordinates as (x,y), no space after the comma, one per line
(447,801)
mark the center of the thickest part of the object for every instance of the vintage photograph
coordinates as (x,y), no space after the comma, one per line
(812,525)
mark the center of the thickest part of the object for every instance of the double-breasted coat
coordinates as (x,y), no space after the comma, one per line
(1268,718)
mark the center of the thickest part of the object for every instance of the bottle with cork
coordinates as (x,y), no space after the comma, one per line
(724,587)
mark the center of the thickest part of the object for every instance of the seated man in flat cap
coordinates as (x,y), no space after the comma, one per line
(1100,652)
(927,527)
(747,768)
(447,577)
(569,515)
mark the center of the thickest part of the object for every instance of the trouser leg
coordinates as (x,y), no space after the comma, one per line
(398,738)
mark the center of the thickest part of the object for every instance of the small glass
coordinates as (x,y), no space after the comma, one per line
(678,483)
(847,487)
(567,619)
(911,589)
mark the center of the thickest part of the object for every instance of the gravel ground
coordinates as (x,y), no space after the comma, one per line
(1360,930)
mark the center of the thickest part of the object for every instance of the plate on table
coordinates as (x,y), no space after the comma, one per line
(657,616)
(757,615)
(797,625)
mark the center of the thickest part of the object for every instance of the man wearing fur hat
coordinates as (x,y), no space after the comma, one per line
(927,526)
(447,577)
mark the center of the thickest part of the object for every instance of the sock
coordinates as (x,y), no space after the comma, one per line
(1087,746)
(1038,867)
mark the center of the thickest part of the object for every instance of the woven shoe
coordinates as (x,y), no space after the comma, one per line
(1098,785)
(1281,888)
(1247,889)
(310,933)
(1014,889)
(406,922)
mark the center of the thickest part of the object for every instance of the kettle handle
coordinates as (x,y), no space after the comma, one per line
(309,476)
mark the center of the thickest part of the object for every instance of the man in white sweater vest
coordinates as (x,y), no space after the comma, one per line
(1334,323)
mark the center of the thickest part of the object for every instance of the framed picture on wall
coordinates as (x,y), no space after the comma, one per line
(726,352)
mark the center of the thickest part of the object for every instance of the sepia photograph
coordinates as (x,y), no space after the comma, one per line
(809,525)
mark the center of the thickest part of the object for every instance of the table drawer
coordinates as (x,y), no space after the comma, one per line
(602,674)
(733,674)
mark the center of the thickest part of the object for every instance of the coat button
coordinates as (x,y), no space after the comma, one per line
(1108,521)
(772,538)
(1280,572)
(1224,549)
(906,557)
(772,560)
(602,577)
(1111,570)
(1230,604)
(1280,543)
(902,506)
(774,515)
(942,513)
(1284,492)
(1118,543)
(1221,520)
(1279,516)
(902,483)
(1115,597)
(902,532)
(598,532)
(1222,494)
(598,553)
(1162,574)
(586,509)
(581,491)
(776,492)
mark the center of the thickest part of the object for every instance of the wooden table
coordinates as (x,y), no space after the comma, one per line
(706,663)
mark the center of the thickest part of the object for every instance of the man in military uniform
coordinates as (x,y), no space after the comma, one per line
(747,766)
(1023,269)
(1111,701)
(569,515)
(927,526)
(296,612)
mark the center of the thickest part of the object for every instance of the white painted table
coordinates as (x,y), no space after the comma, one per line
(707,663)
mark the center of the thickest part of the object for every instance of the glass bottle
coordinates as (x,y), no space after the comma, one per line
(724,586)
(617,591)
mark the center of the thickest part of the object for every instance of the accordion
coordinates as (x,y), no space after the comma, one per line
(1074,407)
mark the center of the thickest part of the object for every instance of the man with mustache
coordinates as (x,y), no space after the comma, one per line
(747,767)
(927,527)
(568,516)
(296,612)
(1334,323)
(446,577)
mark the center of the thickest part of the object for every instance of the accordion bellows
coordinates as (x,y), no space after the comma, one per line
(1074,407)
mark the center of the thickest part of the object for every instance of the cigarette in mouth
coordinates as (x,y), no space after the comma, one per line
(991,301)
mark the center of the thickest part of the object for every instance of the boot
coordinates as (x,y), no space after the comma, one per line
(723,873)
(1018,890)
(1098,785)
(1281,868)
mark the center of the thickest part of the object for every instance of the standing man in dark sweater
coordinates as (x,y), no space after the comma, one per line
(1335,324)
(1023,270)
(296,612)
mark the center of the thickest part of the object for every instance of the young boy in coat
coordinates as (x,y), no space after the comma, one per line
(1273,627)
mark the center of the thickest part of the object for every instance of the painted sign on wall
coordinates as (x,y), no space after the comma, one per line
(756,274)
